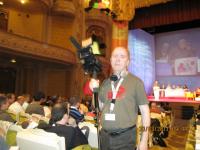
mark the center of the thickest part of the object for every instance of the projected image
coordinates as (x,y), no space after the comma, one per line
(177,53)
(186,66)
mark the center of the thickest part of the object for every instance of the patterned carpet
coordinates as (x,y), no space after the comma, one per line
(177,136)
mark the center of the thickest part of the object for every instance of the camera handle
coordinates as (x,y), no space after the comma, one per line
(95,94)
(97,110)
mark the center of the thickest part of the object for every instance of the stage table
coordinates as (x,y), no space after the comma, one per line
(173,100)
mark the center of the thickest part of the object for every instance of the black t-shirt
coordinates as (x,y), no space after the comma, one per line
(73,136)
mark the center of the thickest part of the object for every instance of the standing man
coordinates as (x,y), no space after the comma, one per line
(120,96)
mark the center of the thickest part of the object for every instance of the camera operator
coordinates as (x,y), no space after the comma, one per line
(119,98)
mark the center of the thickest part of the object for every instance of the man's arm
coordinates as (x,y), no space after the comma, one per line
(88,89)
(145,114)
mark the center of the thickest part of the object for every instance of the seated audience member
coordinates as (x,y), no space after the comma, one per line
(52,100)
(74,110)
(58,124)
(3,107)
(88,102)
(27,98)
(56,99)
(10,98)
(46,107)
(35,107)
(84,108)
(155,108)
(16,107)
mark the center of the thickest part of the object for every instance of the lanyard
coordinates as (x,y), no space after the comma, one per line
(114,93)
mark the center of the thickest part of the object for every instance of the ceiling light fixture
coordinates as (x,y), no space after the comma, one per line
(13,61)
(23,1)
(1,2)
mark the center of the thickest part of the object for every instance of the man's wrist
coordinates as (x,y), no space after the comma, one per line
(144,128)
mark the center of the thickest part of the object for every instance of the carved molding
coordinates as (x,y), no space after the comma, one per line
(48,3)
(96,15)
(148,3)
(125,10)
(31,47)
(98,19)
(63,7)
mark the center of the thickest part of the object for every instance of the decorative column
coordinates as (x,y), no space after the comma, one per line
(78,76)
(124,10)
(120,34)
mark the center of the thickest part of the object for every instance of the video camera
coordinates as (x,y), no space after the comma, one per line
(90,63)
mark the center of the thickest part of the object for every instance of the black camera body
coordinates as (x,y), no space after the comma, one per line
(90,63)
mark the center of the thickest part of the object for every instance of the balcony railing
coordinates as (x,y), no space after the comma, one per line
(27,46)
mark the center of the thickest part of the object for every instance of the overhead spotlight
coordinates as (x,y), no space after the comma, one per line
(13,61)
(23,1)
(1,3)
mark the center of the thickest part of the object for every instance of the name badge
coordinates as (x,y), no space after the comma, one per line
(110,117)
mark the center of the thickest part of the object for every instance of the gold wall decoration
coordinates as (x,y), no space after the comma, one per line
(148,3)
(124,9)
(26,46)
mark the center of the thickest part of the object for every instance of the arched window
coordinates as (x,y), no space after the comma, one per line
(98,35)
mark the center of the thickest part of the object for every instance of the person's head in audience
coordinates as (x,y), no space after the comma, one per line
(88,102)
(59,115)
(74,101)
(21,100)
(39,97)
(27,101)
(10,98)
(56,99)
(27,98)
(3,103)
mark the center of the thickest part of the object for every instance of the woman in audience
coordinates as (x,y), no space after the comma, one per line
(58,124)
(88,103)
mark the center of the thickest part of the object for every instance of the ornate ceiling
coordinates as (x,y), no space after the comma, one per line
(29,5)
(123,10)
(38,5)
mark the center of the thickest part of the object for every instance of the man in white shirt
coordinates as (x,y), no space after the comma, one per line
(16,107)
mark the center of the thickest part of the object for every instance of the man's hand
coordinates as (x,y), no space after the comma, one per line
(145,113)
(94,83)
(142,146)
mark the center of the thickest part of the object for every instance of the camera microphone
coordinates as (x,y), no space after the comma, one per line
(113,77)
